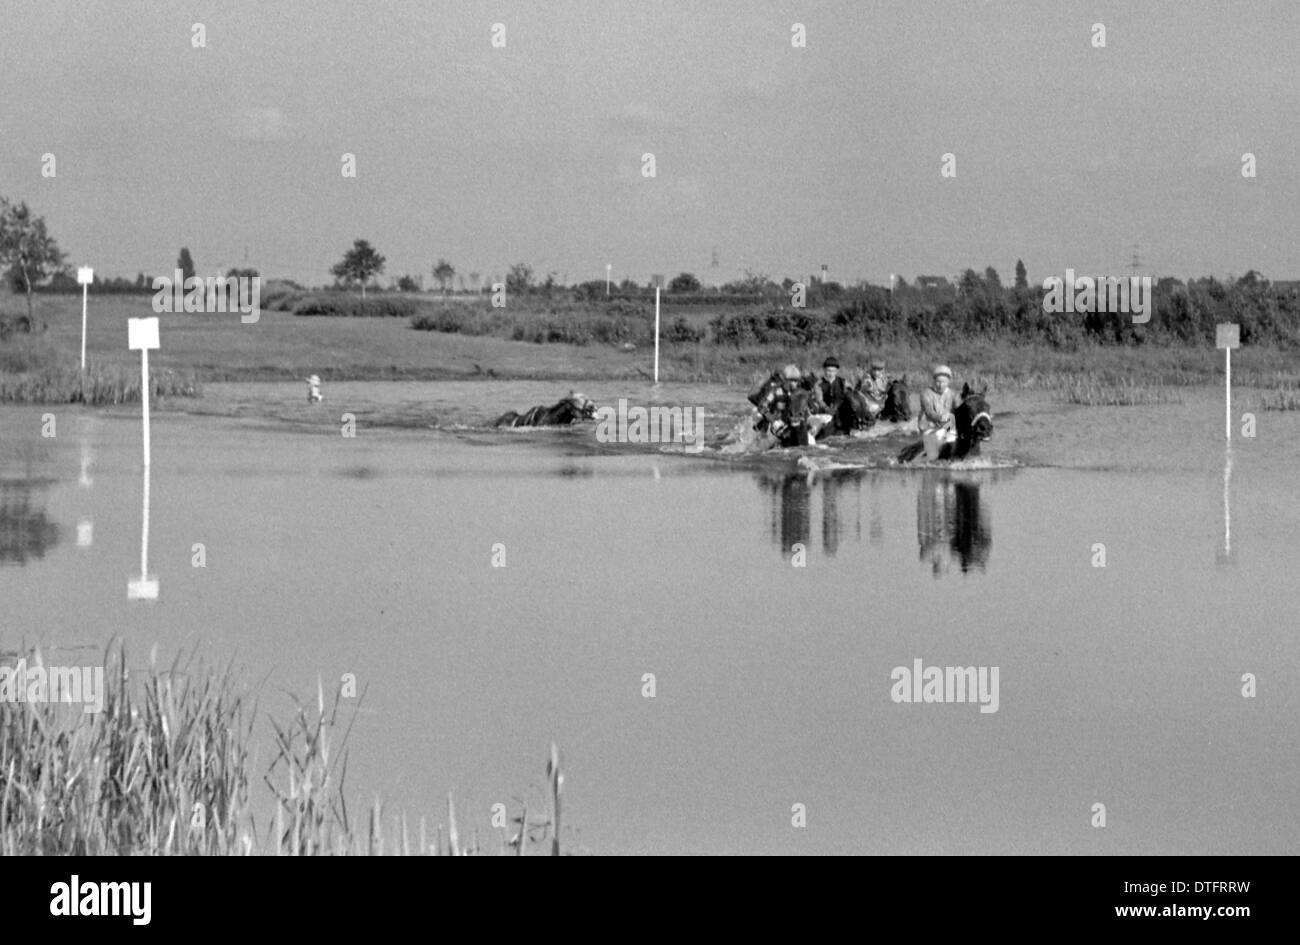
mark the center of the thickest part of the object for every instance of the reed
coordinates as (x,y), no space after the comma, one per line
(1091,392)
(165,769)
(1286,399)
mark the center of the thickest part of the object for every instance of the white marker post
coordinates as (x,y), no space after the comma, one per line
(656,334)
(1227,336)
(142,334)
(658,281)
(85,275)
(609,268)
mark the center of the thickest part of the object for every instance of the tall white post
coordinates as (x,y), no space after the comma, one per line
(609,267)
(84,275)
(656,334)
(142,333)
(144,404)
(1227,393)
(85,292)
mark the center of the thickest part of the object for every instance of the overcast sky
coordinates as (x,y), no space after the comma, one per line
(781,158)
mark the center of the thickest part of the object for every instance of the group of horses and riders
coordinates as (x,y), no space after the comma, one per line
(798,408)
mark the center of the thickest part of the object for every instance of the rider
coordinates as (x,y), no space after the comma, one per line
(875,387)
(772,397)
(938,401)
(830,389)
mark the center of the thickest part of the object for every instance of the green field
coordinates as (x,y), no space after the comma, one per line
(283,347)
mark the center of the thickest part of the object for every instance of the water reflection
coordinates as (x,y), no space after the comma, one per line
(952,523)
(792,507)
(26,531)
(953,528)
(1225,556)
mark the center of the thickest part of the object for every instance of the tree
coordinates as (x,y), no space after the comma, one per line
(186,265)
(685,282)
(992,281)
(474,278)
(26,247)
(443,271)
(520,279)
(1022,277)
(407,284)
(359,264)
(969,283)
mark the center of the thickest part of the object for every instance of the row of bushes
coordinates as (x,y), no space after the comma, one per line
(353,306)
(1181,314)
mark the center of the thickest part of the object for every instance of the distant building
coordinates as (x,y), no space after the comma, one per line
(933,282)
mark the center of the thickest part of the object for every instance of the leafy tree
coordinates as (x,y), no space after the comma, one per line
(443,271)
(359,264)
(969,283)
(407,284)
(520,279)
(185,264)
(992,281)
(1022,277)
(26,247)
(685,282)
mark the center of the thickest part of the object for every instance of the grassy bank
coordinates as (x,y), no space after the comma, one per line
(36,369)
(164,769)
(568,342)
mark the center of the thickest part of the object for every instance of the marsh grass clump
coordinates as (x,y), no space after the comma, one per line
(1123,392)
(165,769)
(1285,399)
(35,370)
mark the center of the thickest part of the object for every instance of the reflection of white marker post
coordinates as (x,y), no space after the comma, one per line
(1227,336)
(142,334)
(85,275)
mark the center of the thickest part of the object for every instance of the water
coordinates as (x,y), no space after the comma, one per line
(372,555)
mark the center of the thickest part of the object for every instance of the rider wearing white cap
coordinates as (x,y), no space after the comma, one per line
(938,401)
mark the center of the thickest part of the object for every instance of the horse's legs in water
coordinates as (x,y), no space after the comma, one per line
(913,451)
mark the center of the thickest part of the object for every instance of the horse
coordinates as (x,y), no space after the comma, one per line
(574,407)
(974,422)
(854,410)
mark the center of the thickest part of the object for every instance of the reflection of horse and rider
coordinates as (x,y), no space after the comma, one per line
(792,495)
(798,408)
(952,524)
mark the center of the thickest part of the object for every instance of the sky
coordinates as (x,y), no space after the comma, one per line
(777,158)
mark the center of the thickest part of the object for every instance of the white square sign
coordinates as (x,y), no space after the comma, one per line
(142,333)
(1227,335)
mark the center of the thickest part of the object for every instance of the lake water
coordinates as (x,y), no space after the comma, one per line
(373,555)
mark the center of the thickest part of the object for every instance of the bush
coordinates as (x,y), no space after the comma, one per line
(680,332)
(351,306)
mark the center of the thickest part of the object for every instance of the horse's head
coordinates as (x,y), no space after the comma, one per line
(898,402)
(582,405)
(974,417)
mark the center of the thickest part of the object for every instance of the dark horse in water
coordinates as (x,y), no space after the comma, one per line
(784,407)
(853,412)
(974,422)
(574,407)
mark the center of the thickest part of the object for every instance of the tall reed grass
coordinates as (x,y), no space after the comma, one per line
(35,371)
(165,769)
